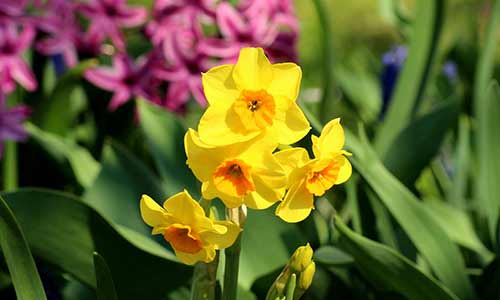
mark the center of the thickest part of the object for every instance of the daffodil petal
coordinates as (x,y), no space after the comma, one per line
(219,86)
(331,140)
(292,158)
(253,70)
(152,213)
(205,255)
(201,159)
(208,190)
(230,201)
(223,235)
(345,171)
(286,80)
(217,127)
(186,210)
(291,125)
(297,204)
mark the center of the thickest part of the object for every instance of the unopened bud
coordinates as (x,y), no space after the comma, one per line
(301,258)
(306,277)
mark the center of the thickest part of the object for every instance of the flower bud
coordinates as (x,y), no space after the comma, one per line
(301,258)
(306,277)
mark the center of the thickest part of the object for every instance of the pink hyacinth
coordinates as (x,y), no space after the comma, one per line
(126,79)
(12,67)
(64,33)
(10,10)
(168,14)
(107,17)
(184,65)
(11,120)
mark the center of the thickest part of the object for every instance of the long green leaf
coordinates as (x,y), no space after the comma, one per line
(118,188)
(22,268)
(425,134)
(165,136)
(65,232)
(412,82)
(389,270)
(429,238)
(488,147)
(104,280)
(461,161)
(66,152)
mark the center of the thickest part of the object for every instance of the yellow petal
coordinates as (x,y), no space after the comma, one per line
(291,125)
(205,255)
(219,86)
(230,201)
(292,158)
(344,172)
(331,140)
(208,190)
(286,80)
(188,211)
(297,204)
(219,126)
(253,70)
(152,213)
(223,235)
(201,158)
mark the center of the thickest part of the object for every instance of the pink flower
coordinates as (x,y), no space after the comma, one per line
(125,79)
(183,68)
(257,23)
(168,14)
(11,123)
(11,10)
(64,33)
(107,17)
(12,67)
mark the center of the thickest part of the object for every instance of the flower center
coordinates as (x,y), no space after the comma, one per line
(256,109)
(322,176)
(233,178)
(182,239)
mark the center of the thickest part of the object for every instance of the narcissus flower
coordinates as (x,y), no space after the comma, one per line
(183,223)
(313,177)
(252,97)
(240,173)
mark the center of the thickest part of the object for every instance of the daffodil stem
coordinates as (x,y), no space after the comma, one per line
(205,275)
(290,287)
(232,266)
(204,280)
(10,166)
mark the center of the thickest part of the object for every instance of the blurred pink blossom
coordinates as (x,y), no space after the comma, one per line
(12,66)
(10,10)
(126,79)
(107,17)
(11,120)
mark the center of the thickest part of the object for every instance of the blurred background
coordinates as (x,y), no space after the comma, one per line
(95,97)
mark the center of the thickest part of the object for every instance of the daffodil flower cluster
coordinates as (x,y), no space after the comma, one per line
(252,110)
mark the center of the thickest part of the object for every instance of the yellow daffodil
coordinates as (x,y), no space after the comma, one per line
(251,97)
(184,225)
(240,173)
(313,177)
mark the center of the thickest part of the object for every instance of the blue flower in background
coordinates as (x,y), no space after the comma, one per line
(59,64)
(393,61)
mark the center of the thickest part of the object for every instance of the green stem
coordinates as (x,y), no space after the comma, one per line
(10,167)
(231,267)
(205,275)
(290,287)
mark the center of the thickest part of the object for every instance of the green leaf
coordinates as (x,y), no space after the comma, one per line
(458,226)
(332,256)
(65,151)
(17,254)
(256,260)
(426,234)
(165,136)
(425,134)
(57,114)
(105,285)
(412,82)
(461,162)
(118,188)
(388,270)
(60,223)
(488,147)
